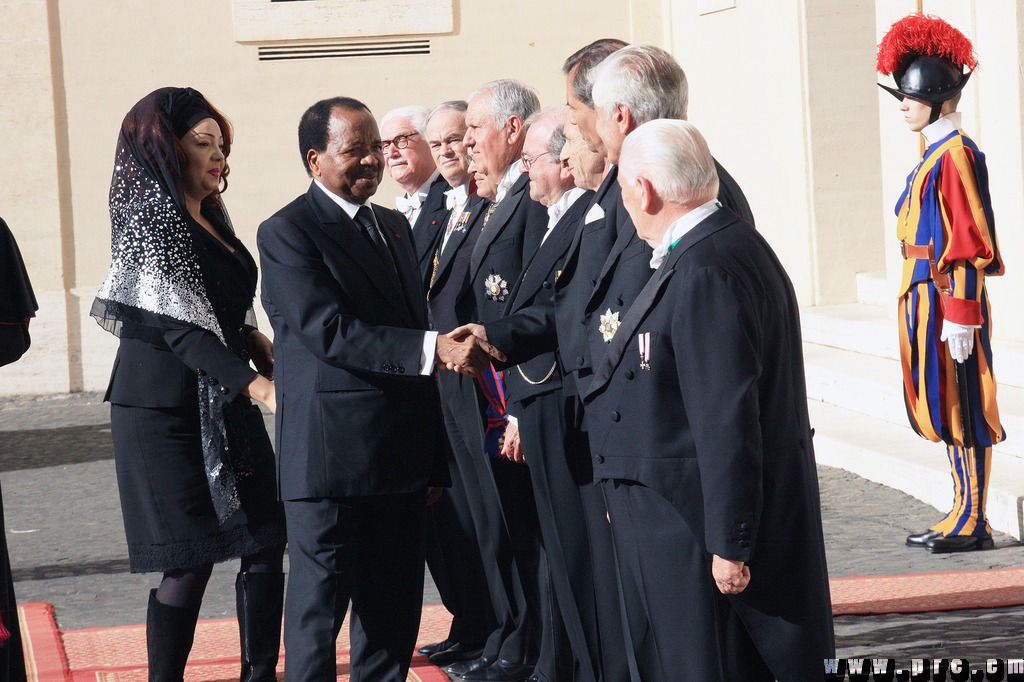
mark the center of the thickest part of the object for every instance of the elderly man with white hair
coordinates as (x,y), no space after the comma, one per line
(536,403)
(501,494)
(642,83)
(700,436)
(408,161)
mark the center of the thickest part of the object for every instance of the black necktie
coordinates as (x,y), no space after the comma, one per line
(365,218)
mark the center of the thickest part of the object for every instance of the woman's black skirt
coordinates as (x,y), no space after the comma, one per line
(169,519)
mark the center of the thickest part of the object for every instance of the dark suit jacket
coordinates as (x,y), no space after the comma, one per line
(718,425)
(606,268)
(512,233)
(354,415)
(17,301)
(532,330)
(449,297)
(536,285)
(430,224)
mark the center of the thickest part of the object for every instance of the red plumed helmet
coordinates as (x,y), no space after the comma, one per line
(926,57)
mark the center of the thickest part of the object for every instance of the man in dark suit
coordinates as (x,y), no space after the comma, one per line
(700,437)
(453,552)
(537,430)
(410,164)
(358,419)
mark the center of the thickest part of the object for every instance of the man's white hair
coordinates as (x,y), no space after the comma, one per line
(459,105)
(417,116)
(675,158)
(556,115)
(645,78)
(509,97)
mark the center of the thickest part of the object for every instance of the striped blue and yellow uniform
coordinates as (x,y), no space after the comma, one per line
(946,205)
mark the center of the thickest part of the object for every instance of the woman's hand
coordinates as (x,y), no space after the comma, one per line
(261,351)
(262,389)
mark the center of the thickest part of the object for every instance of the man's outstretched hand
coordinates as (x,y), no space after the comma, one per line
(467,354)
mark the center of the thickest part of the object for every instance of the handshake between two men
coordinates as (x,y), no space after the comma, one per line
(465,350)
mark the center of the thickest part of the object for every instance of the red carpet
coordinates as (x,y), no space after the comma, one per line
(928,592)
(119,654)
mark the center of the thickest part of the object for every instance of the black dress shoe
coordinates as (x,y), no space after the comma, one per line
(455,653)
(463,667)
(958,543)
(501,671)
(921,539)
(431,649)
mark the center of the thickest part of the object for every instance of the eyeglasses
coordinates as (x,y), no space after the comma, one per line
(528,161)
(400,141)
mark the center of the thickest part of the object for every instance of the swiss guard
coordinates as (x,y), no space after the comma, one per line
(948,241)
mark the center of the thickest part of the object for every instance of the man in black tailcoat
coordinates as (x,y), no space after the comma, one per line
(699,434)
(453,551)
(504,512)
(409,163)
(534,398)
(603,272)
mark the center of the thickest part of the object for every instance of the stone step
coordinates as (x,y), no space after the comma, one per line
(895,456)
(872,386)
(869,330)
(873,289)
(855,327)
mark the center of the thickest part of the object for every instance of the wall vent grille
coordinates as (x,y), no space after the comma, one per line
(343,50)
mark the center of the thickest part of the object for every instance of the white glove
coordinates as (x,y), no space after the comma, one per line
(960,339)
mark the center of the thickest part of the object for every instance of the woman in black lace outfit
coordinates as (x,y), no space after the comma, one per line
(195,467)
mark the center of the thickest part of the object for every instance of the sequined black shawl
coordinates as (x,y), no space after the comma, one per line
(154,270)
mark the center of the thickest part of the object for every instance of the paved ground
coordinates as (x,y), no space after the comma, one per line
(64,531)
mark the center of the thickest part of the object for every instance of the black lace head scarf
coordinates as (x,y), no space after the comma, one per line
(155,278)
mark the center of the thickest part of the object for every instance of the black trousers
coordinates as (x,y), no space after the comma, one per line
(453,557)
(363,550)
(577,539)
(490,484)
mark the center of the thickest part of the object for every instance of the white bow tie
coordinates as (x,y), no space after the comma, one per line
(409,203)
(450,200)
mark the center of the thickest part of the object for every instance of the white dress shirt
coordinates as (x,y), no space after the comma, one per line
(512,174)
(456,199)
(934,132)
(412,204)
(680,227)
(558,209)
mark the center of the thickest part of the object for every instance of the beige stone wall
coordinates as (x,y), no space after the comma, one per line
(31,188)
(784,93)
(783,90)
(105,56)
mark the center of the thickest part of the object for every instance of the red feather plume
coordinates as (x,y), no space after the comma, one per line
(927,35)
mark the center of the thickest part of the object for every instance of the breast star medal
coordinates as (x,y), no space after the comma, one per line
(495,287)
(609,325)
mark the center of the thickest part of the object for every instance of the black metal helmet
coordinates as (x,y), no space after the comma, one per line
(928,79)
